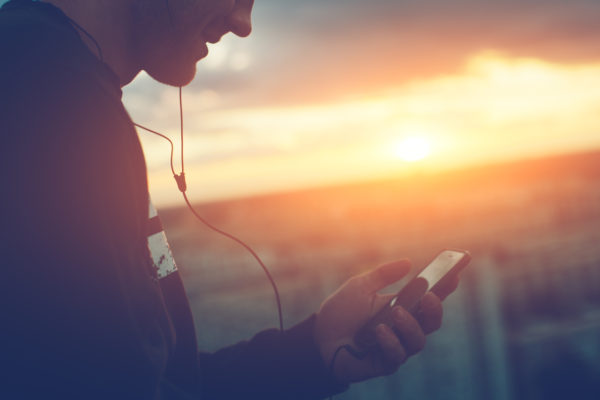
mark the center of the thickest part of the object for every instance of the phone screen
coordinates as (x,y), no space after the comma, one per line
(445,262)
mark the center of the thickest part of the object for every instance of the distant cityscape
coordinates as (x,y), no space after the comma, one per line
(525,321)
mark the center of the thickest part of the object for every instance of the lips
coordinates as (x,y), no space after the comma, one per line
(212,38)
(202,51)
(213,41)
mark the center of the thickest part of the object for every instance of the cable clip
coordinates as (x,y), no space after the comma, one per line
(180,179)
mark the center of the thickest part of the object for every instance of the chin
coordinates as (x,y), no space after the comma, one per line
(180,74)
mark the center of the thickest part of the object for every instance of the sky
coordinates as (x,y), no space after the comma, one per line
(325,92)
(340,91)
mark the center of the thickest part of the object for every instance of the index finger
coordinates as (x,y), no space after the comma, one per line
(449,286)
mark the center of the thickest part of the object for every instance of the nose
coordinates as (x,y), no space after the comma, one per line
(240,18)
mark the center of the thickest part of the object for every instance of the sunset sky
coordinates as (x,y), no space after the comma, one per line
(341,90)
(328,92)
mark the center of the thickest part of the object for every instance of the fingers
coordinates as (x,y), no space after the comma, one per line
(393,353)
(408,330)
(385,275)
(430,313)
(444,291)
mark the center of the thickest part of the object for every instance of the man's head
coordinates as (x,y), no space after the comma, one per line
(170,36)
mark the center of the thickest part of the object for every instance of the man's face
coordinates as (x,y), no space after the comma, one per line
(170,36)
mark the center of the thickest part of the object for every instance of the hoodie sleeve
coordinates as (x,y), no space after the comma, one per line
(272,365)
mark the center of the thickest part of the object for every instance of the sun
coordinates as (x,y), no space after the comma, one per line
(412,148)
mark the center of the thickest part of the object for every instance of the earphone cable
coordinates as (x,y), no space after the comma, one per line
(181,184)
(256,257)
(181,127)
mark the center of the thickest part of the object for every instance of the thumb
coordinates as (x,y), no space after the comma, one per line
(385,275)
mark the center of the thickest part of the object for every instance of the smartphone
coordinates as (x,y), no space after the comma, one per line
(444,267)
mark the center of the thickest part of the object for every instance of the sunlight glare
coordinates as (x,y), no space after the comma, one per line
(412,148)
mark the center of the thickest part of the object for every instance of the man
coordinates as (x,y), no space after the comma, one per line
(84,313)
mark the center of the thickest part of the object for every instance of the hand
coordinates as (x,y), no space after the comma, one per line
(344,312)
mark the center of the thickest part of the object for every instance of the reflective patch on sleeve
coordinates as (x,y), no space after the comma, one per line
(162,257)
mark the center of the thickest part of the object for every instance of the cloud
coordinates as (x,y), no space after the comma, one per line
(314,51)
